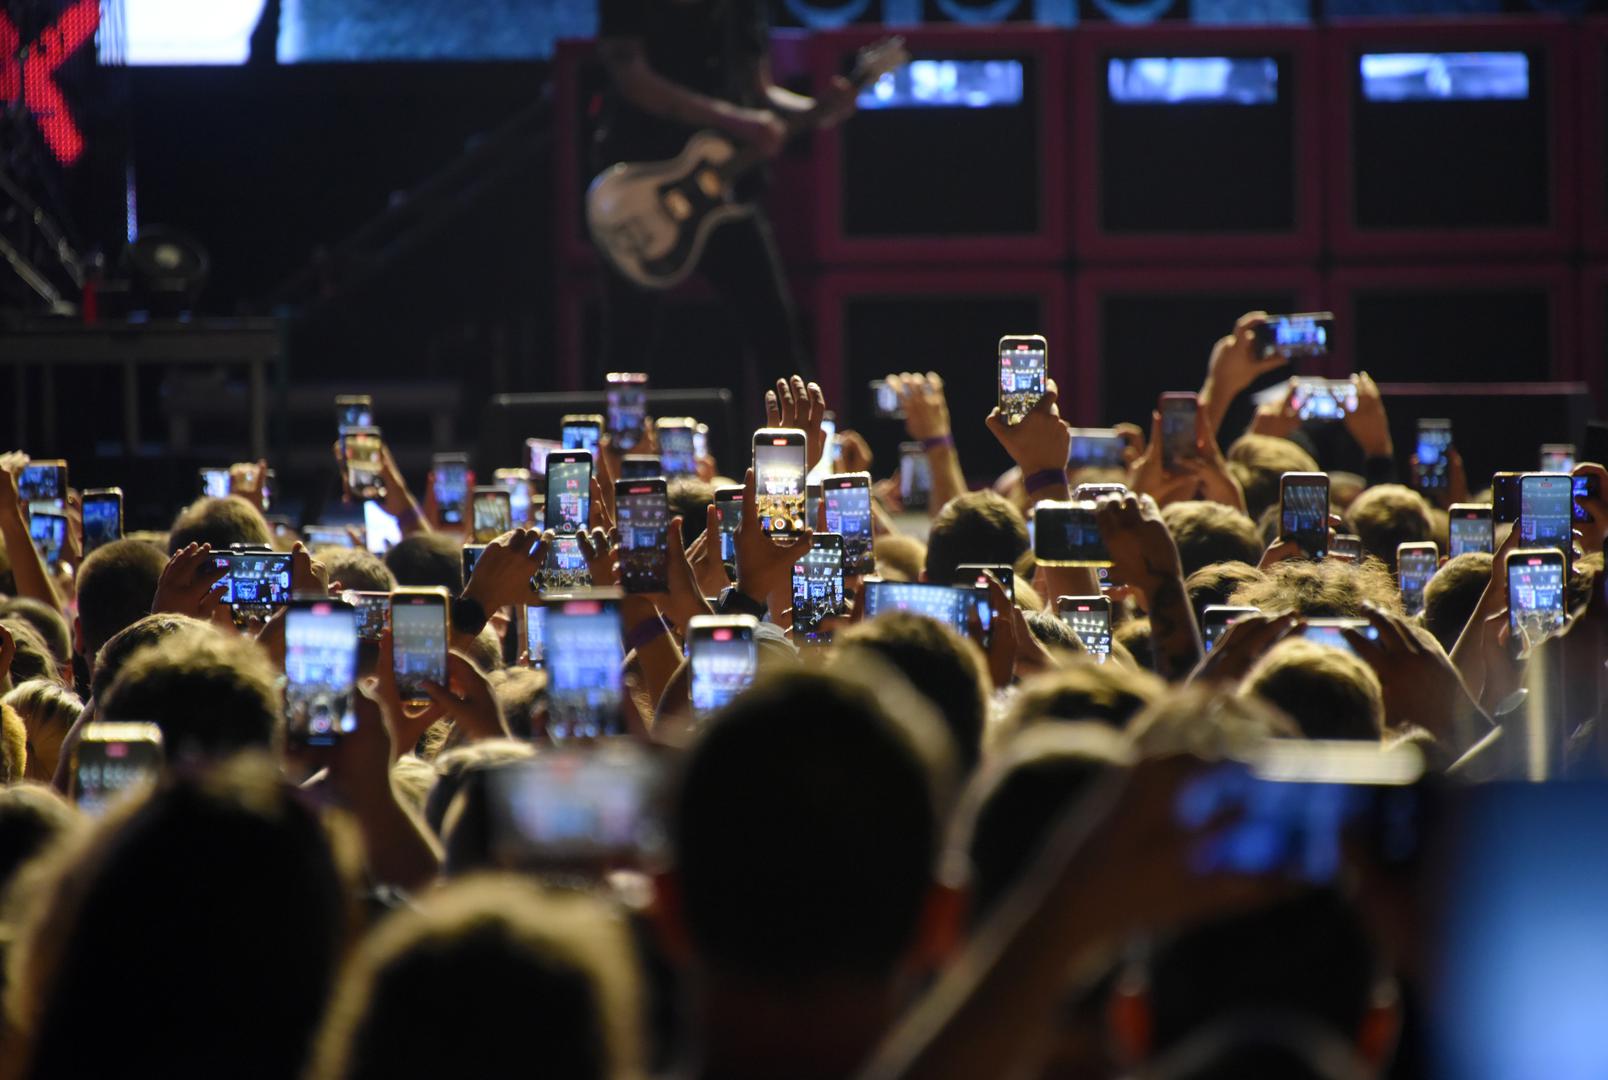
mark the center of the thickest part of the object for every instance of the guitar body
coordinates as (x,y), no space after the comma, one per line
(651,219)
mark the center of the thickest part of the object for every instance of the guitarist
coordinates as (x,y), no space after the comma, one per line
(676,67)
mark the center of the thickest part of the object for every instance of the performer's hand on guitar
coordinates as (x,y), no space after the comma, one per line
(760,128)
(838,103)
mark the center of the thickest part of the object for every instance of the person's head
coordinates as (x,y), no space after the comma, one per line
(1386,516)
(1011,806)
(1328,692)
(1258,461)
(32,818)
(1309,958)
(1330,588)
(1215,584)
(357,568)
(690,499)
(1453,593)
(221,893)
(900,558)
(219,522)
(1208,533)
(428,559)
(13,746)
(212,694)
(116,585)
(452,766)
(150,630)
(47,622)
(33,658)
(978,527)
(945,668)
(1207,722)
(804,832)
(1109,694)
(555,986)
(48,711)
(520,692)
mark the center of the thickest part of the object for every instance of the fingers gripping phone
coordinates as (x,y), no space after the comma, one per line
(1217,618)
(1023,364)
(1304,511)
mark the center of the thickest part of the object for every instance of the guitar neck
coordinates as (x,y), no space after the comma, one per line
(747,158)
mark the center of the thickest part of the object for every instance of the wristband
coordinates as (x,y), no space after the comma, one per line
(1044,478)
(467,616)
(936,441)
(732,602)
(646,631)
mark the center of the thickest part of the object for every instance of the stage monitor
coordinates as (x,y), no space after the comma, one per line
(1481,76)
(947,84)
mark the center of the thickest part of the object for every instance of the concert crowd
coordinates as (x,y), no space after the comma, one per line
(1179,790)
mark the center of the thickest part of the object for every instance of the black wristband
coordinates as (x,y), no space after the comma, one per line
(468,617)
(733,602)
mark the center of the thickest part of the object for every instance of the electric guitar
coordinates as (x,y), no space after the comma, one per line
(650,219)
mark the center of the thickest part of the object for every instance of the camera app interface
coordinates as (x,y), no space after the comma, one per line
(419,640)
(848,513)
(583,665)
(722,668)
(1091,624)
(1021,377)
(643,518)
(817,587)
(1535,586)
(256,580)
(320,669)
(779,486)
(1545,508)
(566,566)
(100,522)
(1306,515)
(569,495)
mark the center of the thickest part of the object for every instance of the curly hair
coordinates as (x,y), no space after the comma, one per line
(1330,588)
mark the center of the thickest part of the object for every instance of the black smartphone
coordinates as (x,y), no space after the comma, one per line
(1304,511)
(779,474)
(817,588)
(885,402)
(581,431)
(1469,528)
(1430,471)
(321,644)
(111,757)
(915,476)
(729,502)
(1217,618)
(1306,336)
(1178,411)
(1585,487)
(1347,546)
(584,659)
(941,603)
(976,577)
(471,559)
(1546,516)
(569,491)
(451,479)
(257,583)
(103,517)
(372,611)
(1095,448)
(1536,598)
(492,514)
(626,408)
(723,658)
(1415,565)
(1505,498)
(361,449)
(353,411)
(678,451)
(1023,366)
(643,514)
(1090,618)
(848,513)
(640,466)
(419,636)
(1066,534)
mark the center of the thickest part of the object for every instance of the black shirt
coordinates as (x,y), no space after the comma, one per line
(710,46)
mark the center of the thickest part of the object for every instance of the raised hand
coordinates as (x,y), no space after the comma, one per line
(795,404)
(189,584)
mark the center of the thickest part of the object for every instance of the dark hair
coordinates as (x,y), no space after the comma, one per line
(1258,461)
(357,568)
(33,658)
(1389,515)
(978,527)
(1109,693)
(46,621)
(1330,588)
(219,522)
(1453,593)
(116,585)
(212,695)
(32,818)
(691,498)
(1328,692)
(424,560)
(805,832)
(111,657)
(1209,532)
(1216,583)
(222,893)
(948,670)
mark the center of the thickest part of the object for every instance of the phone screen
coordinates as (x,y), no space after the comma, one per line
(1546,511)
(45,485)
(1095,448)
(1434,439)
(381,531)
(566,568)
(886,401)
(569,495)
(103,520)
(451,477)
(362,448)
(1021,375)
(729,501)
(320,671)
(723,660)
(580,805)
(1557,458)
(627,409)
(518,487)
(419,644)
(1067,534)
(353,412)
(328,536)
(373,612)
(1323,399)
(1217,618)
(49,533)
(779,484)
(677,454)
(258,581)
(817,586)
(1090,619)
(1585,487)
(582,436)
(1470,530)
(644,521)
(1296,337)
(536,451)
(848,513)
(1329,632)
(107,767)
(1535,594)
(942,603)
(1304,513)
(215,483)
(493,515)
(584,657)
(1178,428)
(536,635)
(1414,568)
(471,559)
(915,477)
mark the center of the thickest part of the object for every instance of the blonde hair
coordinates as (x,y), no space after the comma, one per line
(48,711)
